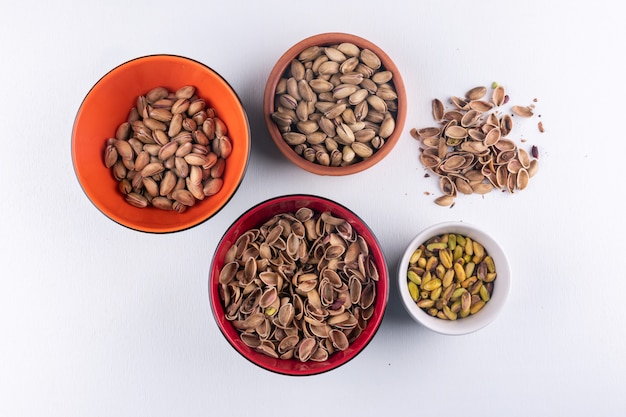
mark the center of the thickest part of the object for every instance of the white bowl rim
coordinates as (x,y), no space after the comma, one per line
(501,287)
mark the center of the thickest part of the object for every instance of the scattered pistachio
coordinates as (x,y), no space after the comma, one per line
(470,151)
(534,151)
(522,111)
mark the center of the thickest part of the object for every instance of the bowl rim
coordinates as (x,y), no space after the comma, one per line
(318,368)
(74,143)
(328,38)
(492,308)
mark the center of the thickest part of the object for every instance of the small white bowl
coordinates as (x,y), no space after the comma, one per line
(501,285)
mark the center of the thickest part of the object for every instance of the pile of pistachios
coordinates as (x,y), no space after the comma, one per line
(451,276)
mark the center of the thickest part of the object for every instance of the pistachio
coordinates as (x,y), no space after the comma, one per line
(386,93)
(334,54)
(438,110)
(387,127)
(195,159)
(476,93)
(167,150)
(212,186)
(345,136)
(319,85)
(183,196)
(185,92)
(480,105)
(310,53)
(137,200)
(180,106)
(305,90)
(156,94)
(335,111)
(497,96)
(377,103)
(432,284)
(472,140)
(414,291)
(444,200)
(348,66)
(352,78)
(522,111)
(349,49)
(123,148)
(313,314)
(414,277)
(294,138)
(110,156)
(223,147)
(450,315)
(362,150)
(344,90)
(151,169)
(442,282)
(164,135)
(328,68)
(357,97)
(288,101)
(369,58)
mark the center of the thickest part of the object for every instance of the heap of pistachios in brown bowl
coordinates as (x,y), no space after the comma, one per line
(335,104)
(454,278)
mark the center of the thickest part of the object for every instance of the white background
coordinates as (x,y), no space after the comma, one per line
(100,320)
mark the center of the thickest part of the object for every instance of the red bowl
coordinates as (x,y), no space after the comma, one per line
(107,105)
(253,218)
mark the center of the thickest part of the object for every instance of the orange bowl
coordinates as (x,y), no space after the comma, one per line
(107,105)
(283,65)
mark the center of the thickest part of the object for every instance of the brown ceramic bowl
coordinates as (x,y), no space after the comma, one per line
(283,66)
(107,105)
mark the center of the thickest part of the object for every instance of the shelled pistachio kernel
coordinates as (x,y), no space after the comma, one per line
(451,276)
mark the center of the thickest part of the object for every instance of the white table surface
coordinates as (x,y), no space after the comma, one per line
(100,320)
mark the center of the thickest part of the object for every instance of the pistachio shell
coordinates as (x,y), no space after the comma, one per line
(498,96)
(482,188)
(444,200)
(306,349)
(524,157)
(492,137)
(522,179)
(522,111)
(476,93)
(456,132)
(459,103)
(471,118)
(480,105)
(438,110)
